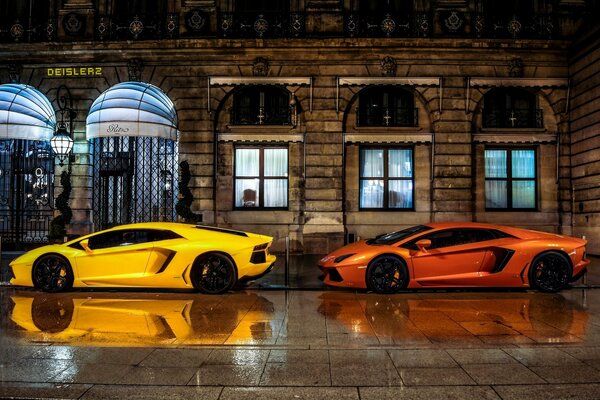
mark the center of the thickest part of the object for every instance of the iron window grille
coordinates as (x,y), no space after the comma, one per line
(388,106)
(134,180)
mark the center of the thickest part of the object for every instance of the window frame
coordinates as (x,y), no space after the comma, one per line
(509,179)
(386,177)
(261,177)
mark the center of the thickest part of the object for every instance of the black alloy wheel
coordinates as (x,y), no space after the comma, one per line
(52,273)
(387,274)
(214,274)
(550,272)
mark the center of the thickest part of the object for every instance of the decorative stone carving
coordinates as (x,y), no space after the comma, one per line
(260,67)
(388,66)
(14,72)
(135,67)
(515,68)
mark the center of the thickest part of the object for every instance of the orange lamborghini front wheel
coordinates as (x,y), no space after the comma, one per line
(387,274)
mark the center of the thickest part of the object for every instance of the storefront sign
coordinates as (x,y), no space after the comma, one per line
(60,72)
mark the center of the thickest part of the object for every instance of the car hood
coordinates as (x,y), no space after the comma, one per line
(35,253)
(352,248)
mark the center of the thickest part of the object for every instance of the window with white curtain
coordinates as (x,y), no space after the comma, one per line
(386,178)
(510,179)
(261,177)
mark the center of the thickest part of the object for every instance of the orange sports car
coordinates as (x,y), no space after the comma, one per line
(456,255)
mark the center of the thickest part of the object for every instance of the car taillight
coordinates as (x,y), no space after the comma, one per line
(261,247)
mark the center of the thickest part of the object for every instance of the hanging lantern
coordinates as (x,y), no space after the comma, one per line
(62,144)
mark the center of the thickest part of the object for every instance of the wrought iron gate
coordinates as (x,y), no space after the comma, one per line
(135,180)
(26,191)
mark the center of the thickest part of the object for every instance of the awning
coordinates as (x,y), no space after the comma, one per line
(260,80)
(25,113)
(387,80)
(132,109)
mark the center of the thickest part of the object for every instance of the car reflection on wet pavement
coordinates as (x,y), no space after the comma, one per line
(316,318)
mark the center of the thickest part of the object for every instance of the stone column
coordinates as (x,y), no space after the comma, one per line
(452,186)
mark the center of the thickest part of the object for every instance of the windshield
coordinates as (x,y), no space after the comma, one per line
(391,238)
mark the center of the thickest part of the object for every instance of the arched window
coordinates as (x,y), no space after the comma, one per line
(261,105)
(511,108)
(386,106)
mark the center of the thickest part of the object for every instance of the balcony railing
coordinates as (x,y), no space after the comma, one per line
(513,118)
(384,116)
(387,25)
(261,25)
(261,116)
(20,30)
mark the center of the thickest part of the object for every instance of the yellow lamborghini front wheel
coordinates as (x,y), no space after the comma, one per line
(214,273)
(52,273)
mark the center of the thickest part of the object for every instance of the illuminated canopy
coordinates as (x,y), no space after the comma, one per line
(25,113)
(132,109)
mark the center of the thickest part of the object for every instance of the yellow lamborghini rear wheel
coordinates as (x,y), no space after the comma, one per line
(213,273)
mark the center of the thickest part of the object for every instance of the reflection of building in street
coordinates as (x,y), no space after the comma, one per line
(319,120)
(143,320)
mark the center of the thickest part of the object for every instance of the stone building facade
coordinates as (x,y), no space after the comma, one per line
(329,120)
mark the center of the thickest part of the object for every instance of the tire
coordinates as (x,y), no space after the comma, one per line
(387,274)
(550,272)
(214,273)
(52,273)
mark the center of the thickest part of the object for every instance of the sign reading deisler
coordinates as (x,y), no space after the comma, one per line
(60,72)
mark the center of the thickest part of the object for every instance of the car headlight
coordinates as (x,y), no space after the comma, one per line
(342,258)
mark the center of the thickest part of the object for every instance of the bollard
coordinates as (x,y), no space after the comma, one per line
(287,261)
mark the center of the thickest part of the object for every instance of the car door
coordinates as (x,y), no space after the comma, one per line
(454,257)
(117,257)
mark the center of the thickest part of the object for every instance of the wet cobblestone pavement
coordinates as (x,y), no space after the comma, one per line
(275,344)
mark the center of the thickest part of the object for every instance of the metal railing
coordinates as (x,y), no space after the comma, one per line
(261,116)
(386,116)
(513,118)
(261,25)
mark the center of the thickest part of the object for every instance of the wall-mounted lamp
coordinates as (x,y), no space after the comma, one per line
(62,142)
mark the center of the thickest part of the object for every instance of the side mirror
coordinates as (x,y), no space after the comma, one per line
(86,246)
(423,244)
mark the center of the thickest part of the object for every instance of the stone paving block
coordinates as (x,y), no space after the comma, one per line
(428,393)
(358,357)
(231,375)
(299,356)
(41,390)
(118,392)
(295,374)
(568,373)
(435,376)
(31,370)
(238,356)
(583,353)
(103,355)
(497,374)
(289,393)
(350,374)
(480,356)
(421,358)
(190,357)
(536,356)
(157,376)
(544,392)
(93,373)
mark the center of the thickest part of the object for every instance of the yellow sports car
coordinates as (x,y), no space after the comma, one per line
(150,255)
